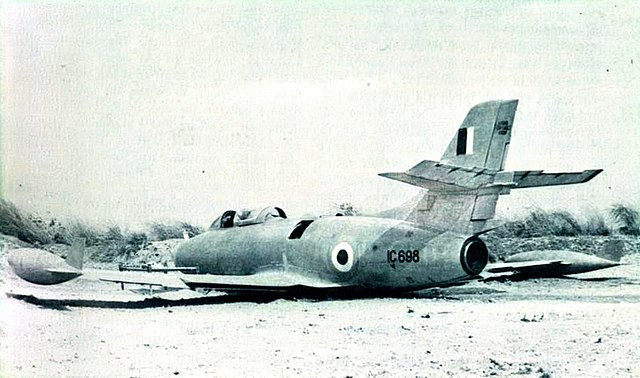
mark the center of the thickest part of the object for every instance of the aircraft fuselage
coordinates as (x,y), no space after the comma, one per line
(353,251)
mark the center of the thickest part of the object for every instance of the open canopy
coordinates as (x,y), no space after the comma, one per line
(233,218)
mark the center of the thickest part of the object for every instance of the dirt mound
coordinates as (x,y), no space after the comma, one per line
(157,253)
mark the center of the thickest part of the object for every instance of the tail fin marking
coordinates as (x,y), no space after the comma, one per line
(483,137)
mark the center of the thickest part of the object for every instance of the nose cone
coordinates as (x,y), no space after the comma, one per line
(41,267)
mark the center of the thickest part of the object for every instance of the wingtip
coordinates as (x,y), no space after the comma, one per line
(591,173)
(390,175)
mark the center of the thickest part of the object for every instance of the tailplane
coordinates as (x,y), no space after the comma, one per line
(464,186)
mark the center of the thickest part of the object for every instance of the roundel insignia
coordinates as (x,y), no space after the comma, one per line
(342,257)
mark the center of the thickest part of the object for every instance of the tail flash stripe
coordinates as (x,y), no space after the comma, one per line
(462,142)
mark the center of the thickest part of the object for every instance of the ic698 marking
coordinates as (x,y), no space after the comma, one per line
(402,256)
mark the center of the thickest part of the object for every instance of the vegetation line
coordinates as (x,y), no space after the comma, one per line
(115,242)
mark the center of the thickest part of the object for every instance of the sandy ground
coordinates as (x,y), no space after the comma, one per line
(538,328)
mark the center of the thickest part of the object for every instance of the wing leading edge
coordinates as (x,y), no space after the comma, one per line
(273,281)
(267,281)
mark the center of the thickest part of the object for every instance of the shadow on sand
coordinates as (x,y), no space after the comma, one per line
(64,304)
(246,297)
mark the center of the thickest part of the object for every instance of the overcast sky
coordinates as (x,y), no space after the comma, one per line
(133,111)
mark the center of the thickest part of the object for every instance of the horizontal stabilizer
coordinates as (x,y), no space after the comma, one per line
(530,179)
(440,177)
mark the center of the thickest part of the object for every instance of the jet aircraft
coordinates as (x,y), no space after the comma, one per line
(436,242)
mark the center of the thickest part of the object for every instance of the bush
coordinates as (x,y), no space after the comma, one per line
(626,218)
(191,229)
(164,231)
(25,227)
(562,223)
(110,244)
(541,223)
(596,226)
(67,233)
(346,209)
(115,243)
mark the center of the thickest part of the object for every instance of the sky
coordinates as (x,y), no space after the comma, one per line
(131,112)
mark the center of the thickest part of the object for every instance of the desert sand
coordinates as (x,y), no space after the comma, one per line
(539,328)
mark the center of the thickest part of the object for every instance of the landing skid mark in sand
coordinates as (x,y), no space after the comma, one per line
(63,304)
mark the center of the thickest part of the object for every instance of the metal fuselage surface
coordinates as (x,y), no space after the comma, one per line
(370,253)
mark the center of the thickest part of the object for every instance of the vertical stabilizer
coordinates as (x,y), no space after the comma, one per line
(464,187)
(459,198)
(483,138)
(76,254)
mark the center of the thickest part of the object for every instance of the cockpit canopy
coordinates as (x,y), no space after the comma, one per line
(233,218)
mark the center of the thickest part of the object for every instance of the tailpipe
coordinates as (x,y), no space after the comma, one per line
(474,256)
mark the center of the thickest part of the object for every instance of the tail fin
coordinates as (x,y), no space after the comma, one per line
(465,185)
(76,254)
(483,138)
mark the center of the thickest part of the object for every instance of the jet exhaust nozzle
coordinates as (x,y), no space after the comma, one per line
(474,256)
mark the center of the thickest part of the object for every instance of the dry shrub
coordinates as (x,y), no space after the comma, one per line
(596,226)
(112,243)
(626,219)
(118,244)
(164,231)
(25,227)
(76,229)
(346,209)
(563,223)
(541,223)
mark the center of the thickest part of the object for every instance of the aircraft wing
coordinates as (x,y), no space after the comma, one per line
(167,280)
(276,281)
(268,281)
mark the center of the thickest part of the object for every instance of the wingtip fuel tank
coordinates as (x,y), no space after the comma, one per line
(44,268)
